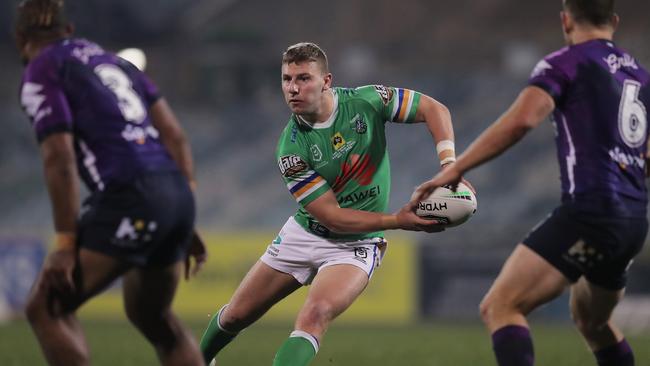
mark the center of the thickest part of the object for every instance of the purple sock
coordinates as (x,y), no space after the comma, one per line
(619,354)
(513,346)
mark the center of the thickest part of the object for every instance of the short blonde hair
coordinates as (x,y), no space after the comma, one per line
(306,52)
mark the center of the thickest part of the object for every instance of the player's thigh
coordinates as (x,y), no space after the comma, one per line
(149,291)
(333,290)
(98,270)
(591,303)
(526,281)
(261,288)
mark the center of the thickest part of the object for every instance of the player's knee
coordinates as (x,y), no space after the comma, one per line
(317,313)
(588,325)
(36,306)
(160,328)
(34,309)
(489,307)
(493,307)
(149,321)
(485,310)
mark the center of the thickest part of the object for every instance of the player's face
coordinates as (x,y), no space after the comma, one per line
(303,86)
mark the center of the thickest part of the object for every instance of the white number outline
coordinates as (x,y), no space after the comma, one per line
(118,82)
(632,111)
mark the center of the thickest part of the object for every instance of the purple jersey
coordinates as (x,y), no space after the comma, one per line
(600,95)
(74,85)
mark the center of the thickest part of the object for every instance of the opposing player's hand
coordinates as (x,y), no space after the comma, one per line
(58,268)
(197,251)
(408,220)
(448,175)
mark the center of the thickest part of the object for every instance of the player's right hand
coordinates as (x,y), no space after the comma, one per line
(449,175)
(197,251)
(58,269)
(408,220)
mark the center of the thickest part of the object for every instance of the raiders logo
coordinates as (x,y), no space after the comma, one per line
(290,165)
(360,126)
(384,93)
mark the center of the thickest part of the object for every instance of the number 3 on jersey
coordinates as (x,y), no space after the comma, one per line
(119,83)
(632,117)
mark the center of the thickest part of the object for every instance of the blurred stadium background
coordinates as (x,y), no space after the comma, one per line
(218,62)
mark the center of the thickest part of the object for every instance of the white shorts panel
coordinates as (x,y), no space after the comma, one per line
(302,254)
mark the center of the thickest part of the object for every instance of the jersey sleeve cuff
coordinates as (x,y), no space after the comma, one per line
(313,195)
(547,88)
(46,132)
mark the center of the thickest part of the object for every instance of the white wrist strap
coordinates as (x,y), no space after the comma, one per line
(445,145)
(447,160)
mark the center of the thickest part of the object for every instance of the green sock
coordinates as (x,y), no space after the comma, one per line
(298,350)
(215,338)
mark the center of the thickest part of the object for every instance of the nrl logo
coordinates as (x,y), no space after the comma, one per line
(360,126)
(316,153)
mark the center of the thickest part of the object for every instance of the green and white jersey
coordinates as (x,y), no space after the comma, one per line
(347,153)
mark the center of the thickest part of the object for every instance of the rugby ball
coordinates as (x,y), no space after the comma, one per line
(449,207)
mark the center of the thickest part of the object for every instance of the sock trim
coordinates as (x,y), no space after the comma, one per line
(219,322)
(510,331)
(310,338)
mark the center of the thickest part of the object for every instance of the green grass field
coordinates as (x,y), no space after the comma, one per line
(115,343)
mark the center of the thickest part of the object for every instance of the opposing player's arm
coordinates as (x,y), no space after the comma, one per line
(173,137)
(327,211)
(438,119)
(178,146)
(532,106)
(60,171)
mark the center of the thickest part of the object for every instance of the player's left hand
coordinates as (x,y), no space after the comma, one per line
(448,175)
(197,251)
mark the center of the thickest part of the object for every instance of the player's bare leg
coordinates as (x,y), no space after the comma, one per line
(52,315)
(525,282)
(591,310)
(148,296)
(333,290)
(262,288)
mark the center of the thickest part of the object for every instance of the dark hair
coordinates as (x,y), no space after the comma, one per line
(594,12)
(306,52)
(40,20)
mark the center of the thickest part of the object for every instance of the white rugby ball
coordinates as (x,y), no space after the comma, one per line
(135,56)
(449,207)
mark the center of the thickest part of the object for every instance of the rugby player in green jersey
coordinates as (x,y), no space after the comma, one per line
(332,156)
